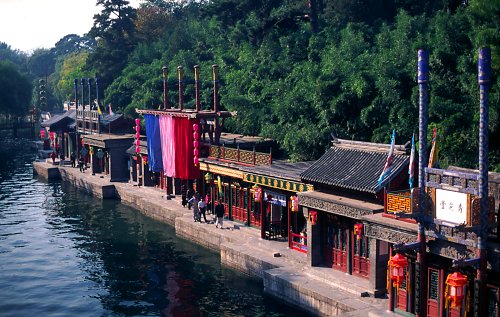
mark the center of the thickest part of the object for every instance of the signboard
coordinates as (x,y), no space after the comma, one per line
(451,206)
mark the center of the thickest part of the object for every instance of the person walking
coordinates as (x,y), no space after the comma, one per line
(201,207)
(183,195)
(80,164)
(219,213)
(53,157)
(208,204)
(73,159)
(193,201)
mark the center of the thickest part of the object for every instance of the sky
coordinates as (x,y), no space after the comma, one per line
(30,24)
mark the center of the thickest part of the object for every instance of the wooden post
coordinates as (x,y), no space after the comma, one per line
(179,75)
(197,86)
(164,72)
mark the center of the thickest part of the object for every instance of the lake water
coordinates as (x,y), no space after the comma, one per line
(65,253)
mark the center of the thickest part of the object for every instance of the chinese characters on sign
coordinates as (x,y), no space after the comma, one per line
(451,206)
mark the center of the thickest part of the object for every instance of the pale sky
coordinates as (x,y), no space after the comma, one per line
(30,24)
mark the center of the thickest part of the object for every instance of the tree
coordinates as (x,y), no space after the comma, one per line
(113,30)
(15,90)
(72,43)
(69,68)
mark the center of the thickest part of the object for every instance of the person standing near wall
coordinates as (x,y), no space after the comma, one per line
(219,213)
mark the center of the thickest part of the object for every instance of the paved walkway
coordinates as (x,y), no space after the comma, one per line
(325,286)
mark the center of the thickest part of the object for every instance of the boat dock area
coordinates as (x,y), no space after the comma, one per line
(283,271)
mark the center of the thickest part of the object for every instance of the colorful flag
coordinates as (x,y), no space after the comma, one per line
(110,111)
(411,168)
(433,157)
(219,184)
(388,163)
(99,110)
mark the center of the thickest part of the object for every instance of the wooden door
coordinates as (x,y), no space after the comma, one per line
(239,204)
(434,292)
(340,254)
(361,256)
(401,292)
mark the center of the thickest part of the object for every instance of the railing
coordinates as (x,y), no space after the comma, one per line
(299,242)
(240,156)
(399,201)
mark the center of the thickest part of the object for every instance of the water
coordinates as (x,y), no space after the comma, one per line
(65,253)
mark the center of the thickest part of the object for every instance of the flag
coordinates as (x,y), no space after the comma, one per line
(433,157)
(110,110)
(411,168)
(388,164)
(99,110)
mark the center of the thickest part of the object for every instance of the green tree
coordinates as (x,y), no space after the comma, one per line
(15,90)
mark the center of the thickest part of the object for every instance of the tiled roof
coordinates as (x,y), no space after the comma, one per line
(70,114)
(356,166)
(280,169)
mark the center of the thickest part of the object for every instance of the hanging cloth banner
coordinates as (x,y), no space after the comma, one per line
(184,164)
(154,142)
(277,199)
(166,124)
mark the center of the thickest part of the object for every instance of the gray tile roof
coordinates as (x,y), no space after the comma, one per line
(280,169)
(69,115)
(355,166)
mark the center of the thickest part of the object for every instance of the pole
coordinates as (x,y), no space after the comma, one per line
(83,103)
(420,267)
(164,69)
(179,75)
(97,98)
(89,81)
(76,107)
(197,86)
(484,73)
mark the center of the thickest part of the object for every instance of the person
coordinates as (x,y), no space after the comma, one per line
(53,157)
(73,159)
(183,195)
(189,194)
(80,163)
(193,201)
(208,203)
(219,213)
(61,159)
(201,207)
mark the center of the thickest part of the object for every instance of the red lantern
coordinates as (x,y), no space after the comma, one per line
(195,144)
(137,142)
(137,150)
(358,230)
(294,203)
(195,127)
(195,151)
(313,217)
(195,135)
(137,128)
(145,159)
(257,194)
(83,142)
(397,267)
(196,161)
(456,283)
(51,136)
(42,134)
(137,121)
(137,135)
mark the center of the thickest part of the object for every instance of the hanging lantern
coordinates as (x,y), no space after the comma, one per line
(358,230)
(294,200)
(195,144)
(91,148)
(137,135)
(313,217)
(137,121)
(196,161)
(397,267)
(145,159)
(51,136)
(257,194)
(456,283)
(195,127)
(137,128)
(195,135)
(83,142)
(137,150)
(137,142)
(195,152)
(42,134)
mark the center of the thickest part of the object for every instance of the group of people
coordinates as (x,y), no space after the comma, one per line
(201,205)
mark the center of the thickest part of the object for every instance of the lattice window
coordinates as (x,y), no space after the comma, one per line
(231,154)
(246,157)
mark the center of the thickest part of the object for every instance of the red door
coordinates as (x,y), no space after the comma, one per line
(434,293)
(254,211)
(360,256)
(340,248)
(401,301)
(239,200)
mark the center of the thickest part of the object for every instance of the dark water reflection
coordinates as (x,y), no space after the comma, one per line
(64,253)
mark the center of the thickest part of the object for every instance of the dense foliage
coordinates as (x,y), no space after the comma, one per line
(300,71)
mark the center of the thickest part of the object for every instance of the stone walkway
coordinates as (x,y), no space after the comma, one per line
(284,272)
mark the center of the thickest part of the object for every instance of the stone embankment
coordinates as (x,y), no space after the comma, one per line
(284,272)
